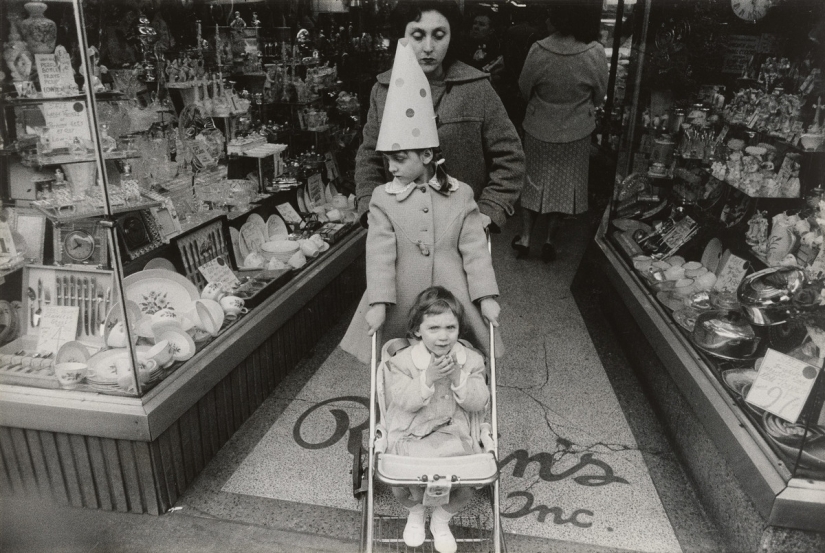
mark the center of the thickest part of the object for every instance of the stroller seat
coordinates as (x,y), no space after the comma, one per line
(477,469)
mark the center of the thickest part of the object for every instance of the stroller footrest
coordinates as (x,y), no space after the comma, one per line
(470,470)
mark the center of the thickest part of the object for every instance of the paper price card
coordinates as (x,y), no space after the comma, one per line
(782,385)
(315,187)
(289,214)
(65,121)
(58,325)
(218,271)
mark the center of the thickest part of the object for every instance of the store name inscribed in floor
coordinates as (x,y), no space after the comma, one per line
(521,459)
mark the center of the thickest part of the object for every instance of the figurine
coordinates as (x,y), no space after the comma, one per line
(255,21)
(173,71)
(757,235)
(238,23)
(18,58)
(59,177)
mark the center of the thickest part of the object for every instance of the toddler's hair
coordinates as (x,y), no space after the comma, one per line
(435,300)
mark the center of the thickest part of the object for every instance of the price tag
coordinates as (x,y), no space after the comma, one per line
(315,187)
(218,271)
(782,385)
(58,325)
(731,272)
(289,214)
(202,154)
(332,167)
(65,121)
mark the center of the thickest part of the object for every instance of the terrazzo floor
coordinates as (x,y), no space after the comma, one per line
(585,464)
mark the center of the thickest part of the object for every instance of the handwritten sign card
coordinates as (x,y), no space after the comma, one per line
(782,385)
(218,271)
(58,325)
(315,187)
(66,120)
(731,271)
(49,75)
(289,214)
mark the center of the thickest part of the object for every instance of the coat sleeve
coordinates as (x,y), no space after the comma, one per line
(405,387)
(601,76)
(503,157)
(369,164)
(381,255)
(472,243)
(473,395)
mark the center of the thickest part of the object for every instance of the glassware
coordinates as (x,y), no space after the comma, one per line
(107,143)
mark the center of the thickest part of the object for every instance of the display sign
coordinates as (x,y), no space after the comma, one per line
(218,271)
(315,187)
(289,214)
(58,325)
(65,121)
(49,75)
(741,49)
(782,385)
(732,270)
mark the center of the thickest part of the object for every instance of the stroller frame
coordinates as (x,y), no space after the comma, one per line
(489,440)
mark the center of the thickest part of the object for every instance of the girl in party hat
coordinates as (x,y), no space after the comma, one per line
(425,230)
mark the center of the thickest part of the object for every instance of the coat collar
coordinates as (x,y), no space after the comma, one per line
(565,45)
(421,355)
(457,72)
(402,192)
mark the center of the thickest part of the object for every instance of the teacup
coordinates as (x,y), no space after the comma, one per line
(69,375)
(166,317)
(233,305)
(209,315)
(161,353)
(213,291)
(117,336)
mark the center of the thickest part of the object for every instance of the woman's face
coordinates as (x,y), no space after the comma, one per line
(430,39)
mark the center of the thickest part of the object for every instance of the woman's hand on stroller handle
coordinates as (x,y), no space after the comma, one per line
(376,315)
(490,311)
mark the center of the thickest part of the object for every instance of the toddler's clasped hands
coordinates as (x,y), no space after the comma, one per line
(444,366)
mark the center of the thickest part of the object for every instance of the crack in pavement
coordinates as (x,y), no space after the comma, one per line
(567,446)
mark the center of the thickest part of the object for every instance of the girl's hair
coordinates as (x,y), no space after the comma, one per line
(577,18)
(407,11)
(435,300)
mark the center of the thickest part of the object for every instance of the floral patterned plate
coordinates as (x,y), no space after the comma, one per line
(158,289)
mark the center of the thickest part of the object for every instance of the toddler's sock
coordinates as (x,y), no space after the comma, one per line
(414,530)
(443,539)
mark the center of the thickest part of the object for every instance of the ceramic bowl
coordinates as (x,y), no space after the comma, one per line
(279,249)
(70,375)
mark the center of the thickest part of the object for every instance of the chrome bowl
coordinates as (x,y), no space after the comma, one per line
(725,334)
(766,295)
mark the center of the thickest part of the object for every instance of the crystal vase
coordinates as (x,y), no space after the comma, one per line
(39,32)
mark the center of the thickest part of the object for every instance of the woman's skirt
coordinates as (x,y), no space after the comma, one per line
(555,175)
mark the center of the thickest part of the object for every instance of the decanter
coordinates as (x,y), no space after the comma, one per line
(129,185)
(107,143)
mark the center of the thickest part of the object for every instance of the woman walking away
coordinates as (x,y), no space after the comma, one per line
(564,80)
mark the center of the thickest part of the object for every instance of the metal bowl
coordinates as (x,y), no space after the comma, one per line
(725,334)
(766,295)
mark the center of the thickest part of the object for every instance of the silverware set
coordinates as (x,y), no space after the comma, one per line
(24,362)
(203,246)
(74,290)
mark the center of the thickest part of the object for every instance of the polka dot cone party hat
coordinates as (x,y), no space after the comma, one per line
(409,120)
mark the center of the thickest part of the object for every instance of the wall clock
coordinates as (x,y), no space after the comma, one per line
(80,243)
(750,10)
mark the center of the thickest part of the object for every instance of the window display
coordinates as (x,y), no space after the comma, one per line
(145,215)
(719,211)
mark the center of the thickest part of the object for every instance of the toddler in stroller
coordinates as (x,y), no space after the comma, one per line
(432,387)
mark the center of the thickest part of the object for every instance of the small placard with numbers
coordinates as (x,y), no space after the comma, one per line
(782,386)
(58,325)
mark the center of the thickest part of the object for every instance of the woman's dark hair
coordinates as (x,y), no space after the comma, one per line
(411,10)
(580,19)
(435,300)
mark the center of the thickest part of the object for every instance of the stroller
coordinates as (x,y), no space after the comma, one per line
(437,475)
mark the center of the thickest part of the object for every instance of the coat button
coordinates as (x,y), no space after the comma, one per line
(426,210)
(422,188)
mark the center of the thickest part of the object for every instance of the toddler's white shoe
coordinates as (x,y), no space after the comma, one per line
(443,539)
(414,530)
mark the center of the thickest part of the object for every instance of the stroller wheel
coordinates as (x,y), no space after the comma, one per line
(358,473)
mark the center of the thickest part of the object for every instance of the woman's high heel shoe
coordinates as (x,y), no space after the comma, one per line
(522,252)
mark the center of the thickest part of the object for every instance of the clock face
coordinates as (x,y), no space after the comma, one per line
(79,245)
(750,10)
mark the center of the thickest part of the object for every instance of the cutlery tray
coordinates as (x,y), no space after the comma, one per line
(91,289)
(200,246)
